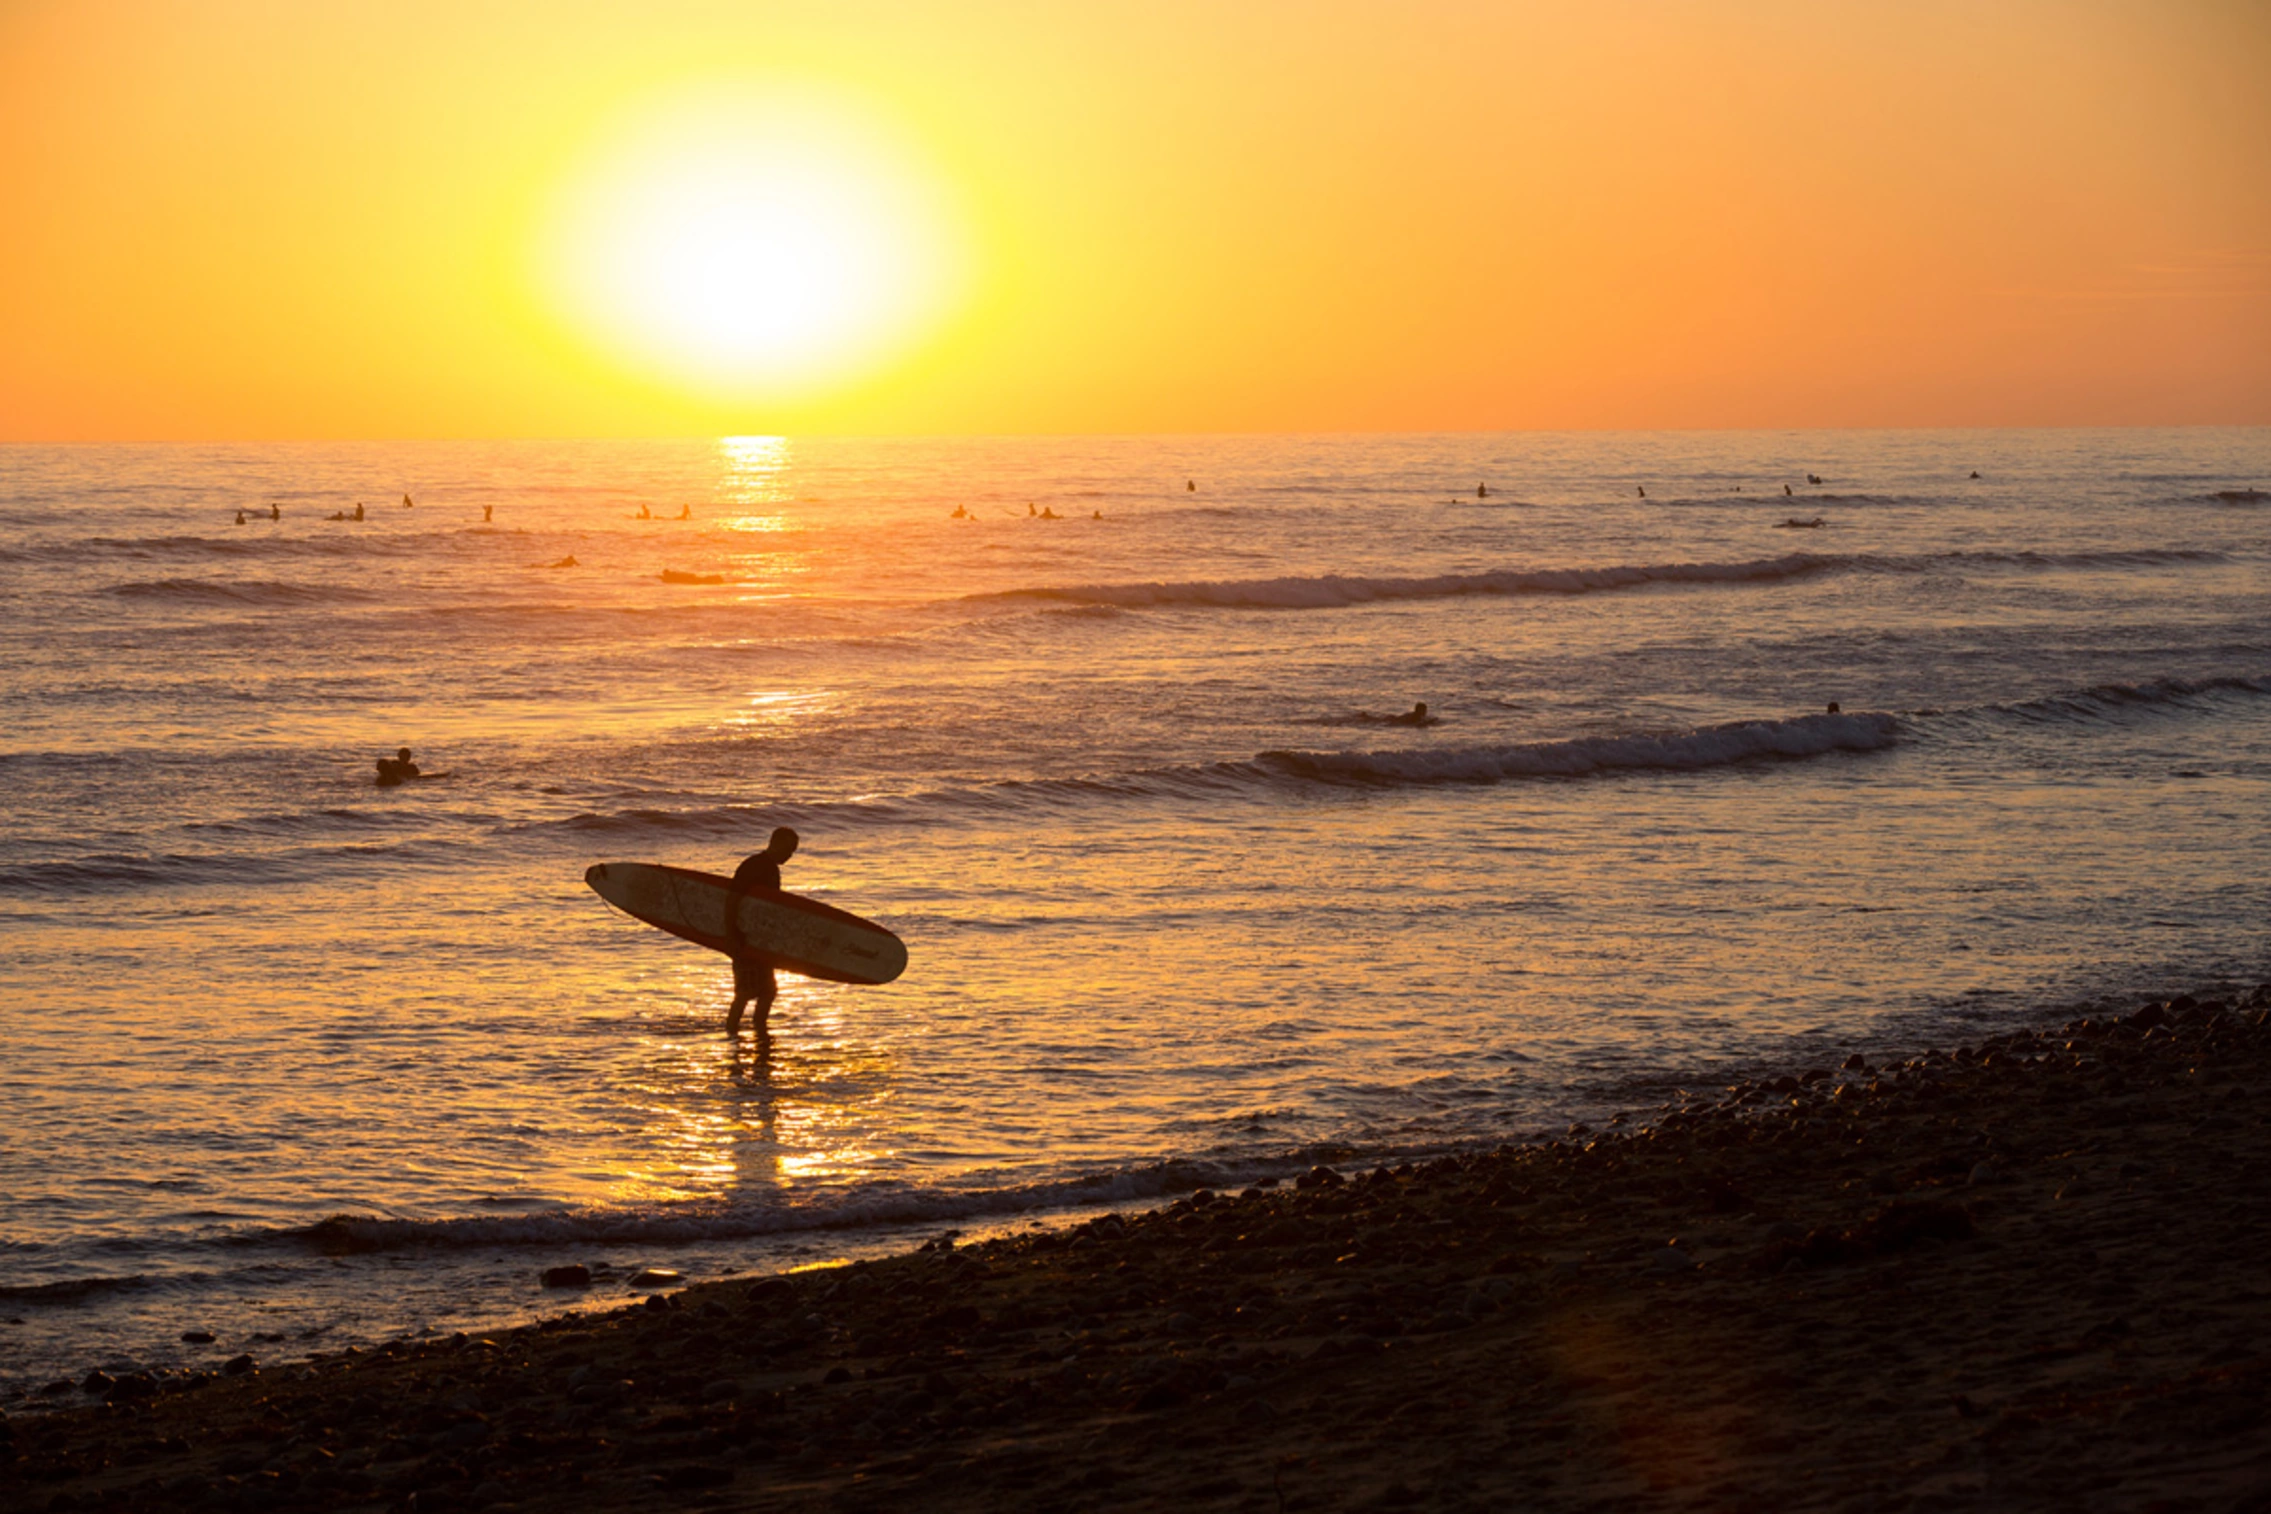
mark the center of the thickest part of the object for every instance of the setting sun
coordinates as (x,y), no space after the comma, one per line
(739,242)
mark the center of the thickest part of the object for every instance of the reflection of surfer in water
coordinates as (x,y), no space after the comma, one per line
(753,970)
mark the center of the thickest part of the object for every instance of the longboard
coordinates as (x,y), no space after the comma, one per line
(799,934)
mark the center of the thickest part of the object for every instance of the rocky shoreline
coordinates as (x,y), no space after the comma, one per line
(2024,1275)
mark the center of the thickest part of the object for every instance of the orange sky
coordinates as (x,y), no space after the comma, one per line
(266,219)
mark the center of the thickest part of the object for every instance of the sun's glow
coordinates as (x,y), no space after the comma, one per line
(748,242)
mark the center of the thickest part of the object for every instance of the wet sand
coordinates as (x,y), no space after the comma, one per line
(2035,1274)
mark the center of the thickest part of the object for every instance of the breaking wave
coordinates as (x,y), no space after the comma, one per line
(212,591)
(1338,590)
(1709,747)
(858,1208)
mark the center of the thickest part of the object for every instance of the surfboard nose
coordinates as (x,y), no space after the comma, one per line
(594,873)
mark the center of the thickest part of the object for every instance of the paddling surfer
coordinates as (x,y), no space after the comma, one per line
(396,769)
(759,873)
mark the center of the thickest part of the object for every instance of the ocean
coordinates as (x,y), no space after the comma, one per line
(1104,729)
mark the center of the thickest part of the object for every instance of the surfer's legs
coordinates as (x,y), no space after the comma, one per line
(752,979)
(748,976)
(767,989)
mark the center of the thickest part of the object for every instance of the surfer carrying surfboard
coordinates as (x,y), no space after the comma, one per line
(760,872)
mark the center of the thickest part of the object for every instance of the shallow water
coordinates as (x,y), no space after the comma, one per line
(290,1053)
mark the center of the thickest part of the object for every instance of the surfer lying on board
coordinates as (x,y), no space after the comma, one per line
(760,872)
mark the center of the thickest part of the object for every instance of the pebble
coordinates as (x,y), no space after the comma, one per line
(576,1275)
(238,1366)
(654,1277)
(198,1337)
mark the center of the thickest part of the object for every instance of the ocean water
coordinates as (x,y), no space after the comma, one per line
(304,1062)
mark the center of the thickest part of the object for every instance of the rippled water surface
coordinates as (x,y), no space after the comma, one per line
(293,1056)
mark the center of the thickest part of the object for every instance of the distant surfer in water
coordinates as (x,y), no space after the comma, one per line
(396,769)
(1418,716)
(759,873)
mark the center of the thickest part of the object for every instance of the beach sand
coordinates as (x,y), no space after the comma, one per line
(2035,1274)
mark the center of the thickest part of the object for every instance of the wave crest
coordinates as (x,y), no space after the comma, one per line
(1709,747)
(1341,590)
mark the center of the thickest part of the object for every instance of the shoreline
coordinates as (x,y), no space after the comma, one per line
(2024,1274)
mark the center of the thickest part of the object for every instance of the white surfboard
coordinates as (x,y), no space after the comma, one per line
(798,934)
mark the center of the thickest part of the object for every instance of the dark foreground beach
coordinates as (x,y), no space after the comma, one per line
(2035,1274)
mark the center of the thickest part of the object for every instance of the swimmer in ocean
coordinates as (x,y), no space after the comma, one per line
(1417,716)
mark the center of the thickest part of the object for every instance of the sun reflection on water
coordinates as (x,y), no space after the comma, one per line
(776,711)
(753,476)
(718,1121)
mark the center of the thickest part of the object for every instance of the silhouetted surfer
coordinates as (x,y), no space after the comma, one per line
(396,769)
(759,873)
(1417,716)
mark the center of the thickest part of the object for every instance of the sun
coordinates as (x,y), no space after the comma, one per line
(746,241)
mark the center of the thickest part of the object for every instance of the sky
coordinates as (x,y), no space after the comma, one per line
(266,219)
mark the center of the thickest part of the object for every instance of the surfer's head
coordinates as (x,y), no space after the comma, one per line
(783,845)
(402,754)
